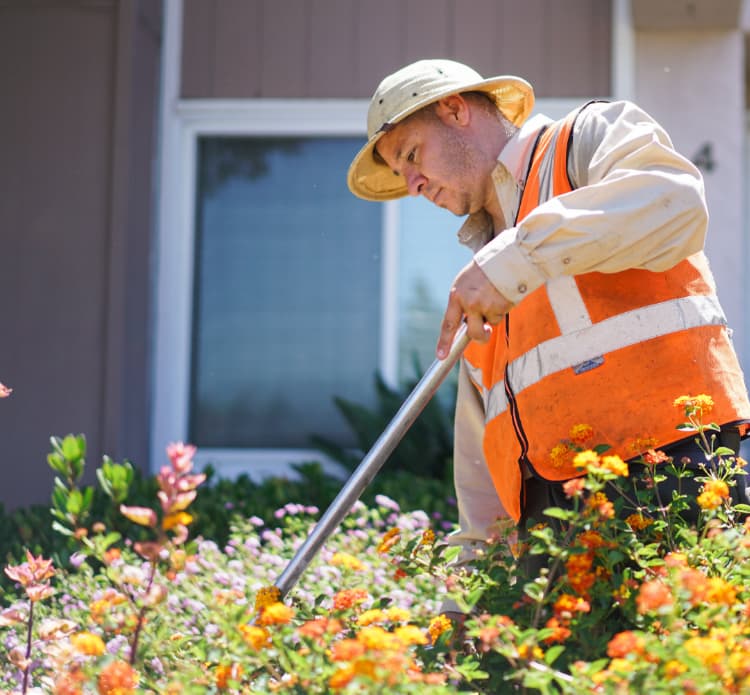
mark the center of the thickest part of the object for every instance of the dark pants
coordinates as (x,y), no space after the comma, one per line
(541,494)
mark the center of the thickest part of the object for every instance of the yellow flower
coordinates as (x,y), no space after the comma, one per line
(620,665)
(428,537)
(366,668)
(695,405)
(528,652)
(374,637)
(559,454)
(579,434)
(586,459)
(376,615)
(256,637)
(638,522)
(276,614)
(600,503)
(674,668)
(438,625)
(713,494)
(342,678)
(710,651)
(88,643)
(397,615)
(642,444)
(347,562)
(176,519)
(266,596)
(614,464)
(721,591)
(226,673)
(410,634)
(391,537)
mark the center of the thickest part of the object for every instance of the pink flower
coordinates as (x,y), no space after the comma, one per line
(181,455)
(32,575)
(5,391)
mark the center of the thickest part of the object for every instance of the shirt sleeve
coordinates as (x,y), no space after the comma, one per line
(637,204)
(479,508)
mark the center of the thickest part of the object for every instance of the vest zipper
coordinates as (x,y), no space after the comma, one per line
(515,416)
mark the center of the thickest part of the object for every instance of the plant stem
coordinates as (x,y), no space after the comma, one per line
(142,614)
(27,670)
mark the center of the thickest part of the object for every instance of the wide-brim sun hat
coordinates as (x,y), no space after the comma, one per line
(412,88)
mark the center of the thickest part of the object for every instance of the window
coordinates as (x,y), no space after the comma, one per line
(287,307)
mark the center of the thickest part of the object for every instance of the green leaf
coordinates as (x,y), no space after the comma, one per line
(71,448)
(742,508)
(59,497)
(88,498)
(64,530)
(451,553)
(724,451)
(557,513)
(552,654)
(75,502)
(110,538)
(57,463)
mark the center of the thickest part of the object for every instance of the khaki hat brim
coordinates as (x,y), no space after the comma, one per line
(371,179)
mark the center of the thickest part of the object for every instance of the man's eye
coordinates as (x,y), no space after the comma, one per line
(411,156)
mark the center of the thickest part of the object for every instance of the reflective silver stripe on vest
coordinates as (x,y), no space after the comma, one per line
(614,333)
(564,297)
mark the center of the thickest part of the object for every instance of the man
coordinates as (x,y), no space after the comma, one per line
(588,300)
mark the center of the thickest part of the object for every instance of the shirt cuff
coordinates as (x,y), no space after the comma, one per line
(507,268)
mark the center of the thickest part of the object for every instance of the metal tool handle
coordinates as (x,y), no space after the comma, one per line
(372,462)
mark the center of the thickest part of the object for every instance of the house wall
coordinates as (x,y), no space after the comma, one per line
(79,80)
(343,48)
(692,80)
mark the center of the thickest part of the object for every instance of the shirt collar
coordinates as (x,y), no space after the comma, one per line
(515,155)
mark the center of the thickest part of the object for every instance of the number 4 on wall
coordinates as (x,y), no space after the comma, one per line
(704,157)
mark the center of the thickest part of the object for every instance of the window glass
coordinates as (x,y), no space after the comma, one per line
(287,305)
(429,258)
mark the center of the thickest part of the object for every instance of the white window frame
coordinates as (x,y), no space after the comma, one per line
(182,123)
(253,118)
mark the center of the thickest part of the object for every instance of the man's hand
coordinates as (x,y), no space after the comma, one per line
(472,296)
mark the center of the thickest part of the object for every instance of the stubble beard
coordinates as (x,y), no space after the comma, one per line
(467,166)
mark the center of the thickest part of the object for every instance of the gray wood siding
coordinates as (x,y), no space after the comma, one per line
(79,81)
(342,48)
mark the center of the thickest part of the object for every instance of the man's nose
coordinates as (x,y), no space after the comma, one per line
(415,182)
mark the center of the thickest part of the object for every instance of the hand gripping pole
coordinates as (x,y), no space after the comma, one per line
(372,462)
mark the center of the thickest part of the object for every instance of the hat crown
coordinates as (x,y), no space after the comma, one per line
(414,85)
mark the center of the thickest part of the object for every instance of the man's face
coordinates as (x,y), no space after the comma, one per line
(438,160)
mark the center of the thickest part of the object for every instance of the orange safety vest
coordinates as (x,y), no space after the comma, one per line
(610,350)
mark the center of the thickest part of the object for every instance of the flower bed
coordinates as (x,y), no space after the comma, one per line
(612,593)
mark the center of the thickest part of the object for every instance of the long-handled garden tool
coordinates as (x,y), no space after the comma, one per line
(371,463)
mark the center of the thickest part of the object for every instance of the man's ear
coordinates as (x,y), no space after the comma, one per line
(453,110)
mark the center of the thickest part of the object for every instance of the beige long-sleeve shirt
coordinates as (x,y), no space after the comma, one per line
(637,204)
